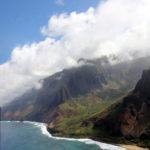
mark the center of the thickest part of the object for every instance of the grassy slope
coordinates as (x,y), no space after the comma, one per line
(72,113)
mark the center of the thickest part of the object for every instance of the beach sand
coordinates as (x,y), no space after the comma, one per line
(132,147)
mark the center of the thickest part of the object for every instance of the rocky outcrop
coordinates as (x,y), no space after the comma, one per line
(130,117)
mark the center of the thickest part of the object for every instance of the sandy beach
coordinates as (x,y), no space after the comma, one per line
(132,147)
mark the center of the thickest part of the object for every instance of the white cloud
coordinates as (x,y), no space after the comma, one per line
(120,27)
(59,2)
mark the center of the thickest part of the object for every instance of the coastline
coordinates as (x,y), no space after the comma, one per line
(132,147)
(88,140)
(123,146)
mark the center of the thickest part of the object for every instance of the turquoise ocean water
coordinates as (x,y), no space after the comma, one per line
(34,136)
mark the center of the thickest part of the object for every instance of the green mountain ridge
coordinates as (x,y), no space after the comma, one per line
(109,82)
(80,101)
(125,121)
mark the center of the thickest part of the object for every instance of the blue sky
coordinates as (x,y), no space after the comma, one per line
(21,20)
(109,28)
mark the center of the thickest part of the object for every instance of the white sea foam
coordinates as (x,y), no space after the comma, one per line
(42,126)
(44,131)
(104,146)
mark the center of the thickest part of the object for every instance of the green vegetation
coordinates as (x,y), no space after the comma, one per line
(72,113)
(81,95)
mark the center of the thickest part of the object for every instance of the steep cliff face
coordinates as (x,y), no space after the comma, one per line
(40,105)
(136,112)
(97,79)
(130,117)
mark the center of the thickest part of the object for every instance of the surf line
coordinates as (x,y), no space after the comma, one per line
(102,145)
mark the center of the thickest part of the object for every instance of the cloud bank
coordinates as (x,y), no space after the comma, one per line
(118,27)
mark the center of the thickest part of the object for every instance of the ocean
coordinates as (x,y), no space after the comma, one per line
(34,136)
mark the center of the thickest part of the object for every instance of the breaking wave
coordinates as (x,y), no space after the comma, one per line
(104,146)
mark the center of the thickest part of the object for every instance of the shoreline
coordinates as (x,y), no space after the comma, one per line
(124,146)
(87,140)
(132,147)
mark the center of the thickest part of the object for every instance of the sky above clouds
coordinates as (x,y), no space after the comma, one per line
(118,27)
(21,20)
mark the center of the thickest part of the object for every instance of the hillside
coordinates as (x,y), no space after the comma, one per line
(88,101)
(131,117)
(94,85)
(125,121)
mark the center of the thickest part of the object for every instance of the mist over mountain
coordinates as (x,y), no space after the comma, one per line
(109,81)
(112,28)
